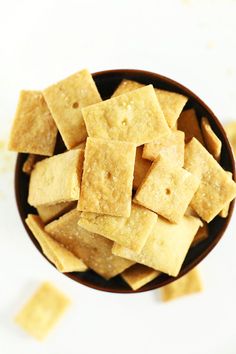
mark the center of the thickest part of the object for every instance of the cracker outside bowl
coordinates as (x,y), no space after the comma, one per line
(107,82)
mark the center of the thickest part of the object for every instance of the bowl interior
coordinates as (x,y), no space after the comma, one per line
(107,81)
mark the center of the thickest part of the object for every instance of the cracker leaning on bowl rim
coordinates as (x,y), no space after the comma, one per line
(166,247)
(107,178)
(216,189)
(42,311)
(95,250)
(188,123)
(139,275)
(62,258)
(172,194)
(56,179)
(135,117)
(65,100)
(131,232)
(212,142)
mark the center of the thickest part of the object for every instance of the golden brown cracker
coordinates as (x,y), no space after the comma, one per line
(141,167)
(29,164)
(135,116)
(65,100)
(107,177)
(56,179)
(216,189)
(212,142)
(172,194)
(131,232)
(49,212)
(188,123)
(230,129)
(42,311)
(166,247)
(33,130)
(139,275)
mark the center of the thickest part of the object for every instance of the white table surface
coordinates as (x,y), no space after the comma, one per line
(193,42)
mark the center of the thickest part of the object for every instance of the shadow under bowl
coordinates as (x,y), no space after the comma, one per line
(107,82)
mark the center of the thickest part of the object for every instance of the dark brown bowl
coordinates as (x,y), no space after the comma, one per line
(107,81)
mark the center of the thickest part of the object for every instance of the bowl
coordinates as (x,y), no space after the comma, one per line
(107,81)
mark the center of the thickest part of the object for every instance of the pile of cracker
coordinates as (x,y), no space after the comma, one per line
(137,186)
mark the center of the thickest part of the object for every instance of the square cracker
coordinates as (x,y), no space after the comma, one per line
(190,283)
(212,142)
(65,101)
(171,103)
(107,177)
(138,275)
(49,212)
(95,250)
(34,130)
(141,167)
(216,189)
(170,146)
(135,116)
(64,260)
(188,123)
(167,189)
(42,311)
(131,232)
(166,247)
(56,179)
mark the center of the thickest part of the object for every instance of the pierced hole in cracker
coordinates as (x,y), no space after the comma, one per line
(75,105)
(109,175)
(124,122)
(168,191)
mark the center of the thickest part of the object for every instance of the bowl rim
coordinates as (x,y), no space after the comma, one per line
(197,260)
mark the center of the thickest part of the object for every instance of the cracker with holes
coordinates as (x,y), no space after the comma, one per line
(34,130)
(188,123)
(172,194)
(49,212)
(131,232)
(170,146)
(212,142)
(171,103)
(107,177)
(64,260)
(56,179)
(190,283)
(65,101)
(166,247)
(141,167)
(216,189)
(42,311)
(93,249)
(139,275)
(135,116)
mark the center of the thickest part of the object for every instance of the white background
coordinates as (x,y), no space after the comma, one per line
(193,42)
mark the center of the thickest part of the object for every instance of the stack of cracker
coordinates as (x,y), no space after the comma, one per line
(137,186)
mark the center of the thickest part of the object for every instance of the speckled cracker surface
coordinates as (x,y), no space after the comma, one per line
(167,189)
(95,250)
(34,130)
(135,116)
(42,311)
(141,167)
(188,123)
(64,260)
(107,177)
(172,104)
(166,247)
(138,275)
(65,101)
(49,212)
(56,179)
(131,232)
(216,189)
(190,283)
(170,146)
(212,142)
